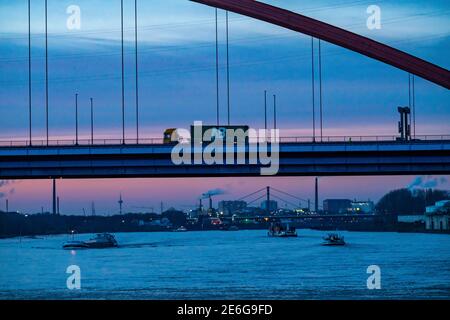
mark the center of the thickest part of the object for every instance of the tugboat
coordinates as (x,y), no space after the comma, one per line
(281,231)
(102,240)
(333,239)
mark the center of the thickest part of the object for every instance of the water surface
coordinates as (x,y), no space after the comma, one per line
(229,265)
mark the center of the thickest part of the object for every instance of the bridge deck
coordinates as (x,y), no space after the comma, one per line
(295,159)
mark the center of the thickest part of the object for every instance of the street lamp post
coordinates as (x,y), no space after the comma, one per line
(92,121)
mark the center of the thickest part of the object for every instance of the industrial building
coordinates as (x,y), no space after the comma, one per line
(228,208)
(437,217)
(269,205)
(336,206)
(362,207)
(344,206)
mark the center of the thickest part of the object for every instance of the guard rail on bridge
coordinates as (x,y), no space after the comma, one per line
(158,141)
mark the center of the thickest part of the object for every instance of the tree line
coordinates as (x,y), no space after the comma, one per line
(407,202)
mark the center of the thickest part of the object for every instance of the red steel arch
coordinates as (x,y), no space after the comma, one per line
(337,36)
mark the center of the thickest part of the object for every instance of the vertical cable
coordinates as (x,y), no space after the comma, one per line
(76,118)
(313,91)
(409,90)
(320,91)
(29,71)
(275,111)
(137,73)
(217,71)
(409,103)
(228,69)
(123,74)
(46,73)
(265,109)
(414,104)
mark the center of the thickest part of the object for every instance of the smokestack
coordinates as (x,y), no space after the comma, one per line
(7,205)
(210,203)
(201,205)
(54,196)
(316,195)
(57,205)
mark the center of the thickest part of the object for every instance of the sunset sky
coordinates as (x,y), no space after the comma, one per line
(177,87)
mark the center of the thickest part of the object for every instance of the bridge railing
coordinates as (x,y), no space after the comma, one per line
(158,141)
(350,139)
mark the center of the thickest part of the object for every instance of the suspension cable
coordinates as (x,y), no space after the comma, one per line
(285,201)
(288,194)
(251,194)
(259,198)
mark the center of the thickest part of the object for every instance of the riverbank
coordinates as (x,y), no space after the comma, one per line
(20,225)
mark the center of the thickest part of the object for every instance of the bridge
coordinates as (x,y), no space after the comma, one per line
(33,159)
(331,157)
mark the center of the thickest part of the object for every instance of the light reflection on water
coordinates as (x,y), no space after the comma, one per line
(229,265)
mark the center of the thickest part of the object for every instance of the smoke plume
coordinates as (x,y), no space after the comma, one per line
(213,192)
(4,184)
(427,182)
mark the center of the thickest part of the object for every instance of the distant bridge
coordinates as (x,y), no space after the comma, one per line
(327,158)
(273,218)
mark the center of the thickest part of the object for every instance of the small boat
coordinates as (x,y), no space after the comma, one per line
(333,239)
(181,229)
(102,240)
(70,245)
(281,231)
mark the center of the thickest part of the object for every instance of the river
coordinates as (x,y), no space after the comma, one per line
(229,265)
